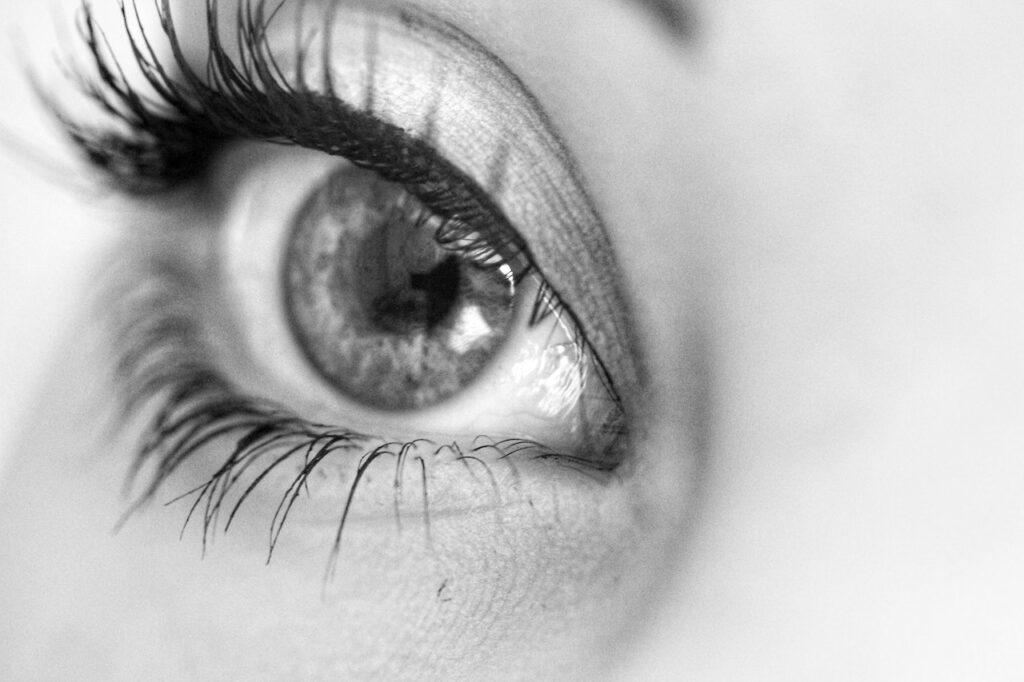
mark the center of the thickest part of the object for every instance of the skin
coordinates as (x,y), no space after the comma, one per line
(817,212)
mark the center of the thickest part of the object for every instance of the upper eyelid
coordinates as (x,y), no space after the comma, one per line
(508,131)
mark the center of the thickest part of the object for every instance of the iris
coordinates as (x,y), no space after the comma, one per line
(385,313)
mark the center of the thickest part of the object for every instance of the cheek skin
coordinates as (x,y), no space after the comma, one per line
(863,518)
(82,602)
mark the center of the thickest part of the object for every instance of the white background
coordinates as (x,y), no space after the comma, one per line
(43,256)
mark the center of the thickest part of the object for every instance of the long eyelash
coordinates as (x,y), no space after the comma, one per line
(169,138)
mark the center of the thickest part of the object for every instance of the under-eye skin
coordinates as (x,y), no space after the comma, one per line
(427,296)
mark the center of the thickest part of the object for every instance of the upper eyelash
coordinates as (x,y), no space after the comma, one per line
(172,138)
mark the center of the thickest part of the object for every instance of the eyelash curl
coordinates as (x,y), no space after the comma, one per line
(164,139)
(247,96)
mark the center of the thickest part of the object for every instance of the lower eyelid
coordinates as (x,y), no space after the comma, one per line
(473,476)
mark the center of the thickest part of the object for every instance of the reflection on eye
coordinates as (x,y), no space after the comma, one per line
(417,306)
(385,312)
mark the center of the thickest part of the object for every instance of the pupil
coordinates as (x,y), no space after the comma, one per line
(440,286)
(423,303)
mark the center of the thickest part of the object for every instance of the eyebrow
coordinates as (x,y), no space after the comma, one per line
(679,17)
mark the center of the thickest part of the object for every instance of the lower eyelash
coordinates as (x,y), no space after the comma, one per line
(165,379)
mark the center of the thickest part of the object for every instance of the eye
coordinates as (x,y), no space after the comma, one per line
(361,306)
(426,282)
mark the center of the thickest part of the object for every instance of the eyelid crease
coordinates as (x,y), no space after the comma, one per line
(568,243)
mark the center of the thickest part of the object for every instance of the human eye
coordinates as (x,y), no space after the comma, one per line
(370,314)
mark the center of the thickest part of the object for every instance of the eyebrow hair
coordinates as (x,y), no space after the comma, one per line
(679,17)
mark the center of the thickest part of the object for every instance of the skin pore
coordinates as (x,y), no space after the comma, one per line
(816,210)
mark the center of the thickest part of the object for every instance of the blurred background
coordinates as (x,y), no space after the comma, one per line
(36,243)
